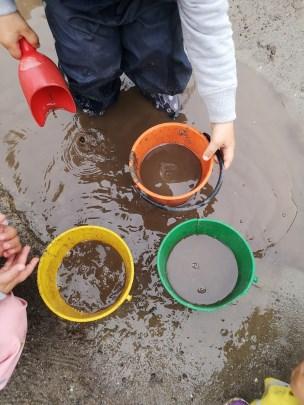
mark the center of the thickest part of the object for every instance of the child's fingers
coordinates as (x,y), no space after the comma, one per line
(211,149)
(228,156)
(31,37)
(22,256)
(16,274)
(32,264)
(11,274)
(7,265)
(10,252)
(11,243)
(9,240)
(9,234)
(2,230)
(302,367)
(23,275)
(3,220)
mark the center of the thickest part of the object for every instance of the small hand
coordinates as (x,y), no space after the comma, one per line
(3,220)
(16,270)
(297,382)
(12,28)
(222,138)
(9,240)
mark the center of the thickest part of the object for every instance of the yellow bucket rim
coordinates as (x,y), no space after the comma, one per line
(55,252)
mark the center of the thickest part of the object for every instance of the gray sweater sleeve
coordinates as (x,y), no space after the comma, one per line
(7,7)
(210,48)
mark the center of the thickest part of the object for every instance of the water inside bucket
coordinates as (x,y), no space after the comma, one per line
(170,170)
(91,276)
(202,270)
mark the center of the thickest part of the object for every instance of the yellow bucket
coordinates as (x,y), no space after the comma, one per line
(52,259)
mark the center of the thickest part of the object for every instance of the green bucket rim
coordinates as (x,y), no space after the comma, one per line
(217,305)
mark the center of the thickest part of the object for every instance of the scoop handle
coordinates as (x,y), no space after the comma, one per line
(26,47)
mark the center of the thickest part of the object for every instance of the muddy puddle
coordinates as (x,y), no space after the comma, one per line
(170,170)
(91,276)
(202,270)
(75,171)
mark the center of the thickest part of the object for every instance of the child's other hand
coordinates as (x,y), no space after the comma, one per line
(16,270)
(9,240)
(222,138)
(12,28)
(297,382)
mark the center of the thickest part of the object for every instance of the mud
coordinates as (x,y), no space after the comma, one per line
(152,350)
(170,170)
(80,172)
(202,270)
(91,276)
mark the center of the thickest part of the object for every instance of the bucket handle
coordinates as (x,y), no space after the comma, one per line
(187,206)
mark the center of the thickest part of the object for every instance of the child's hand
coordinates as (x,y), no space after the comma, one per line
(12,28)
(3,220)
(297,382)
(9,240)
(16,270)
(222,138)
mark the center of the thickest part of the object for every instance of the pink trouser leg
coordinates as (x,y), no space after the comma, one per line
(13,328)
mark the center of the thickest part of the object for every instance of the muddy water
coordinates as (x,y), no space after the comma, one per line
(75,170)
(91,276)
(170,170)
(202,270)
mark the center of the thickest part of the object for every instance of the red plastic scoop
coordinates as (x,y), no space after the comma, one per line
(42,83)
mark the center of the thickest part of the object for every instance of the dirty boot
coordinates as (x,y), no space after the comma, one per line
(170,104)
(237,401)
(90,107)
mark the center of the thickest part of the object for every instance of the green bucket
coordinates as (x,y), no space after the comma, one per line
(223,233)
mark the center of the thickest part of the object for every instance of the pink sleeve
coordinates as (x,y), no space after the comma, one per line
(13,328)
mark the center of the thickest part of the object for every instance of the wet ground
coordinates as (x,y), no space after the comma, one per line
(75,171)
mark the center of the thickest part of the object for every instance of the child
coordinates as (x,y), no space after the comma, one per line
(97,40)
(280,393)
(13,321)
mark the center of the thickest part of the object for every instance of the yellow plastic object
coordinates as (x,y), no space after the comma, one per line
(52,259)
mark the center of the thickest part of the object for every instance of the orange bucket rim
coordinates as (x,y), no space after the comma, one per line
(152,194)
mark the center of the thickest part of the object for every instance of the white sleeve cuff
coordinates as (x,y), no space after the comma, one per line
(7,7)
(221,106)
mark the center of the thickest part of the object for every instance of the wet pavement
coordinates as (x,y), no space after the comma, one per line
(152,350)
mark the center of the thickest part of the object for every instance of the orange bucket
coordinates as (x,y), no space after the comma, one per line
(170,133)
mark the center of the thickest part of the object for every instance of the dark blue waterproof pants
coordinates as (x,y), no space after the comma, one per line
(97,40)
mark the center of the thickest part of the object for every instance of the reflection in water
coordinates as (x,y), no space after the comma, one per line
(83,154)
(210,278)
(91,276)
(78,171)
(170,170)
(75,171)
